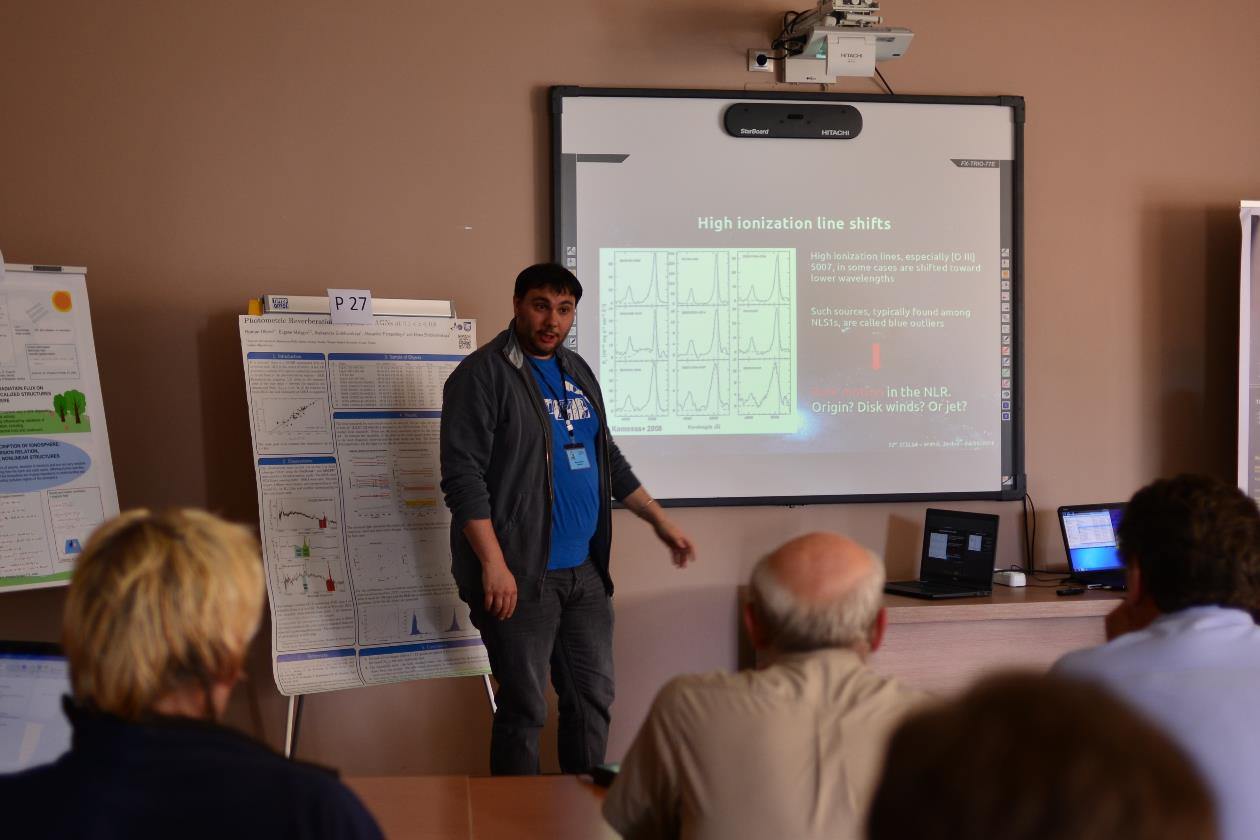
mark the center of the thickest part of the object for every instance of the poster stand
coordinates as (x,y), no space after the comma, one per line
(315,305)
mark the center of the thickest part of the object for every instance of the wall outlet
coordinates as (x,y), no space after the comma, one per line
(760,61)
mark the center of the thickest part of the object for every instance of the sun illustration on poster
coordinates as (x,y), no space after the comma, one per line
(61,300)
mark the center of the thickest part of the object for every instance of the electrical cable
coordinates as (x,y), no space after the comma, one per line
(1043,579)
(1030,537)
(888,87)
(1030,549)
(785,43)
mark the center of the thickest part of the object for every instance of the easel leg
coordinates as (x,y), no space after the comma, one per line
(494,707)
(294,724)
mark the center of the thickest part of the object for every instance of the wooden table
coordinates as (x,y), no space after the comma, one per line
(943,646)
(489,808)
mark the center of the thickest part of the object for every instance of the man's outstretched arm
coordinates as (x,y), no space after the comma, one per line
(642,505)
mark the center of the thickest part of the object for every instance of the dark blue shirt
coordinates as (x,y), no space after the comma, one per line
(177,778)
(575,509)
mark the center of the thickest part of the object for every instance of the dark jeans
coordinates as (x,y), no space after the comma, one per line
(569,629)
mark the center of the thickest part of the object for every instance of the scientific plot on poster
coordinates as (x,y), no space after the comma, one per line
(415,621)
(301,513)
(391,488)
(400,559)
(290,409)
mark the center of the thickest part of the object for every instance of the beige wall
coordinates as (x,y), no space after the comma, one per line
(195,154)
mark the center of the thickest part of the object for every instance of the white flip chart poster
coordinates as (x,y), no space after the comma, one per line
(56,475)
(355,534)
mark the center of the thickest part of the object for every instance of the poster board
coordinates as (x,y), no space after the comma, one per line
(56,473)
(344,421)
(1249,352)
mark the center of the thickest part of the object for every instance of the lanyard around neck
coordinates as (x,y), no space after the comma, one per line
(564,401)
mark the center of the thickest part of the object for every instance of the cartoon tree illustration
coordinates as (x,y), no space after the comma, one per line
(59,406)
(77,403)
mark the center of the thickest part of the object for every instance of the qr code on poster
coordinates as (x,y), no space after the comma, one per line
(465,342)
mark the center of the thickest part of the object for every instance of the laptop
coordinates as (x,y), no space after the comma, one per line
(1089,537)
(958,553)
(33,728)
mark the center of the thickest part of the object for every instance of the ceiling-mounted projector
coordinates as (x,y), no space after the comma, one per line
(837,38)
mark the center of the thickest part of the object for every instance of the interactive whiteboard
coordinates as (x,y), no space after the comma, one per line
(799,299)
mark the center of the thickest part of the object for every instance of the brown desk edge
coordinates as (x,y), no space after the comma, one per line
(1005,603)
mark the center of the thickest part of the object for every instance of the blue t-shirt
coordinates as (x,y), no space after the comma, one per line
(575,511)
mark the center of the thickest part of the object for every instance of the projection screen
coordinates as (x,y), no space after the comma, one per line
(799,298)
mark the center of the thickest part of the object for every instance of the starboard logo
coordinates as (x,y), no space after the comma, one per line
(754,131)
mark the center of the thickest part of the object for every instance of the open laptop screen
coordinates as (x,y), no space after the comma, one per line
(1089,534)
(958,547)
(33,728)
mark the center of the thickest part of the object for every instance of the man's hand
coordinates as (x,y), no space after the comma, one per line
(1130,616)
(1120,620)
(679,543)
(500,588)
(649,510)
(497,580)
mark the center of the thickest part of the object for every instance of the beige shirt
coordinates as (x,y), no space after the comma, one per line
(791,751)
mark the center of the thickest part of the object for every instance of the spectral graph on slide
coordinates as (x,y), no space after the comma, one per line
(698,340)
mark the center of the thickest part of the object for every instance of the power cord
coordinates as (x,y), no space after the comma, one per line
(1030,536)
(1030,548)
(888,87)
(790,46)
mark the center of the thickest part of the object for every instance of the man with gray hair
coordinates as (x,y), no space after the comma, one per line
(789,750)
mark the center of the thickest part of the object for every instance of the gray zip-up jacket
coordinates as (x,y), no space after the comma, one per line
(497,461)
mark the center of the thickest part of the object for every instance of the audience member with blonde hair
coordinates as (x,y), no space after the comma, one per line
(1025,757)
(158,619)
(791,750)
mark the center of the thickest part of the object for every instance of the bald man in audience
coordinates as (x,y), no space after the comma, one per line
(789,750)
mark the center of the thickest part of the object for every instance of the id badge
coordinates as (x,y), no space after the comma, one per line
(578,459)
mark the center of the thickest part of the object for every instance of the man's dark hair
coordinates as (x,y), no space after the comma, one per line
(552,276)
(1196,542)
(1027,757)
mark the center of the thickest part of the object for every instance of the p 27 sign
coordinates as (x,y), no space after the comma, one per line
(350,306)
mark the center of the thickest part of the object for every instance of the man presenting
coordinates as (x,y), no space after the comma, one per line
(528,469)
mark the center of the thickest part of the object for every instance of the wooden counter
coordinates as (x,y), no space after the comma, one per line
(944,645)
